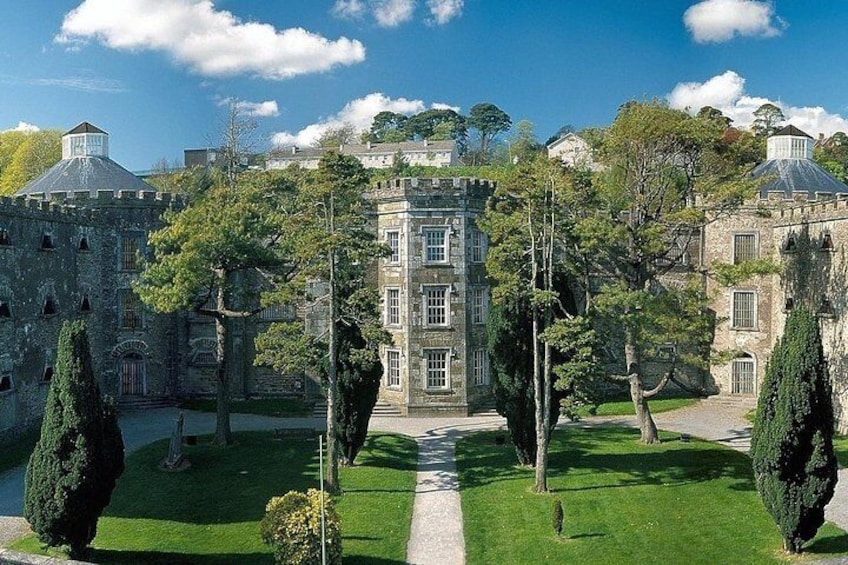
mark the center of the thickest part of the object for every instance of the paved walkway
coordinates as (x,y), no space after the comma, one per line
(436,536)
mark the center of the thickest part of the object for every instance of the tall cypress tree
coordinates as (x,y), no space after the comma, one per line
(792,443)
(79,455)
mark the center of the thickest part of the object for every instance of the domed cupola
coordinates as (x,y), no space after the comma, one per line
(85,140)
(791,171)
(85,169)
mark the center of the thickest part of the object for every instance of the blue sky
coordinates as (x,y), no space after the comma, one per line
(154,73)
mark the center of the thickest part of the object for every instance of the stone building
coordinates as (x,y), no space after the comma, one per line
(800,221)
(371,155)
(435,294)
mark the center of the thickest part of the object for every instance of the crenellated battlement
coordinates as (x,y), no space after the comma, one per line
(408,187)
(81,207)
(815,210)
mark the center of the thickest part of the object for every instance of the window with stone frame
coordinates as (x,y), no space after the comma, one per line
(5,240)
(436,244)
(742,374)
(479,305)
(393,368)
(47,243)
(392,306)
(83,244)
(744,310)
(393,241)
(480,367)
(436,305)
(437,368)
(130,310)
(826,242)
(129,251)
(49,307)
(6,384)
(744,247)
(85,303)
(478,246)
(5,309)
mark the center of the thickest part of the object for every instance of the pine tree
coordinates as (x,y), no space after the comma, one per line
(79,455)
(792,443)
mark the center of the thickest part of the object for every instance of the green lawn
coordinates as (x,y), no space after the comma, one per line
(210,514)
(692,502)
(278,407)
(17,452)
(625,407)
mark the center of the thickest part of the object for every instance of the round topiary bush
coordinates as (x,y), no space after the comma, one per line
(292,526)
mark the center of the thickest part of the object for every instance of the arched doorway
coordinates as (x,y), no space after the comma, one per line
(131,367)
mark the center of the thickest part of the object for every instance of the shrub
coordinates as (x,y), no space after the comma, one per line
(79,454)
(792,442)
(557,517)
(292,526)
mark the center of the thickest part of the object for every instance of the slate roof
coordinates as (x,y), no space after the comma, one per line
(85,173)
(363,149)
(793,176)
(791,130)
(85,127)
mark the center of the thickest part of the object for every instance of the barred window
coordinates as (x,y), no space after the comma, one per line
(392,307)
(480,367)
(744,247)
(278,312)
(129,252)
(478,305)
(435,245)
(744,314)
(436,305)
(129,310)
(478,246)
(437,367)
(393,241)
(393,368)
(742,375)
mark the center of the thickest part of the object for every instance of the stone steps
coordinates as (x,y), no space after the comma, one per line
(381,409)
(128,403)
(728,400)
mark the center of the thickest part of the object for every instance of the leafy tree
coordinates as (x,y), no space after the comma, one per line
(522,143)
(388,127)
(203,255)
(641,221)
(292,526)
(80,453)
(767,119)
(792,442)
(37,152)
(335,137)
(439,124)
(713,114)
(332,240)
(489,121)
(237,130)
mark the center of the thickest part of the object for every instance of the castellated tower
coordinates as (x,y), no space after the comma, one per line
(435,295)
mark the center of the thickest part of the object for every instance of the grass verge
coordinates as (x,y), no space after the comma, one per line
(209,514)
(625,407)
(277,407)
(692,502)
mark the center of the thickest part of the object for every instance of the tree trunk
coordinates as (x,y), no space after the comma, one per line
(647,427)
(223,434)
(332,475)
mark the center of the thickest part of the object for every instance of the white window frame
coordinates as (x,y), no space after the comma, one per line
(393,241)
(429,296)
(392,315)
(393,362)
(479,305)
(738,380)
(427,244)
(432,358)
(756,245)
(478,246)
(480,367)
(735,321)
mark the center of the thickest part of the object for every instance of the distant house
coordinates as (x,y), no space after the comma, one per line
(371,155)
(574,151)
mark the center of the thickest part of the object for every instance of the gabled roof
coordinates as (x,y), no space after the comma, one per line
(570,135)
(85,127)
(791,130)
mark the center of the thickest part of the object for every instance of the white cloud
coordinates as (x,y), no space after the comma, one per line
(267,109)
(444,11)
(358,113)
(726,92)
(715,21)
(348,9)
(24,127)
(209,41)
(392,13)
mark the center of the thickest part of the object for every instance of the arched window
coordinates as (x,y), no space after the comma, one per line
(743,372)
(131,368)
(49,306)
(83,244)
